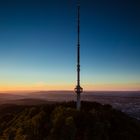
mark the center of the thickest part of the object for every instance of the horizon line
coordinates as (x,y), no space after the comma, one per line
(24,91)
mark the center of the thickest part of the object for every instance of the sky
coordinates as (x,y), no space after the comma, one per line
(38,44)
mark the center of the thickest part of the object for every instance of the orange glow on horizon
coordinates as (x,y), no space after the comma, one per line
(113,87)
(87,87)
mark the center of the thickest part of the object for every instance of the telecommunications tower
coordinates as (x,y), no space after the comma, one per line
(78,89)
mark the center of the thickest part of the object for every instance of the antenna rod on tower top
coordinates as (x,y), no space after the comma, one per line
(78,88)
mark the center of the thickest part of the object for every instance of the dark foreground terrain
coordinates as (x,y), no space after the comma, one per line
(61,121)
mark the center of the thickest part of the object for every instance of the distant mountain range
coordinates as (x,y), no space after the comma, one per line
(53,94)
(126,101)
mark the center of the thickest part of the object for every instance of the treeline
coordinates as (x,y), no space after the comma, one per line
(61,121)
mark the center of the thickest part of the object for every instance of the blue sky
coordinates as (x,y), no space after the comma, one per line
(38,44)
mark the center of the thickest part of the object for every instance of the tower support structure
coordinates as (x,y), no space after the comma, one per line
(78,89)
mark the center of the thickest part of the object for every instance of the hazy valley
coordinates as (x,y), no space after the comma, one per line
(128,102)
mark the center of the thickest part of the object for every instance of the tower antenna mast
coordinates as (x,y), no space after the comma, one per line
(78,89)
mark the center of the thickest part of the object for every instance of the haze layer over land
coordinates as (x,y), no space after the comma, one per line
(128,102)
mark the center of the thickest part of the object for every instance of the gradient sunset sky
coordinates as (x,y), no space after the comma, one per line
(38,44)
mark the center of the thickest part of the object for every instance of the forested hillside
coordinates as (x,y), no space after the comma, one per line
(61,121)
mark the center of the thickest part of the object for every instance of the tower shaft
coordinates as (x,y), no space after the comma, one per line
(78,88)
(78,48)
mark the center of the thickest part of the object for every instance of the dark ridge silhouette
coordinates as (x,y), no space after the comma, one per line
(61,121)
(29,101)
